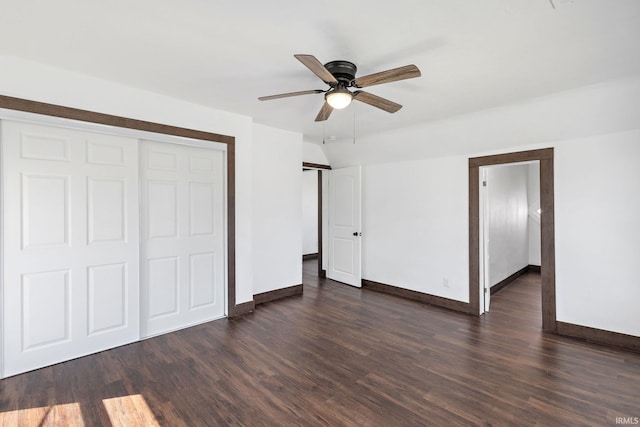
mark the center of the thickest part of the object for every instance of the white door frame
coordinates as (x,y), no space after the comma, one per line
(485,285)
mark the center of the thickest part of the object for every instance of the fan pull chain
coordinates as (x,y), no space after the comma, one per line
(323,132)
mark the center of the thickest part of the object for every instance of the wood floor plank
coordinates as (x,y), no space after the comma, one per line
(342,356)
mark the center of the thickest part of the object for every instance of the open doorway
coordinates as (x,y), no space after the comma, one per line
(547,252)
(509,225)
(314,179)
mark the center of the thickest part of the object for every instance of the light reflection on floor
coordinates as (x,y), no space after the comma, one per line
(58,415)
(130,410)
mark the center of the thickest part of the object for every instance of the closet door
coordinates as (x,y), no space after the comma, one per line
(183,241)
(70,235)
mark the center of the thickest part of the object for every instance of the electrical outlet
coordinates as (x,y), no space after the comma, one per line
(445,282)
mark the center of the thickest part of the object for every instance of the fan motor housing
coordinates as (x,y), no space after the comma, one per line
(343,71)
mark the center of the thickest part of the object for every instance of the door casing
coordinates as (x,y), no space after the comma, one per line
(547,229)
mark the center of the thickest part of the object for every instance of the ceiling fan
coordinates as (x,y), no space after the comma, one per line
(341,75)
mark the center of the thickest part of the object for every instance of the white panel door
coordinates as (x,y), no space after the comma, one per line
(344,226)
(70,235)
(183,240)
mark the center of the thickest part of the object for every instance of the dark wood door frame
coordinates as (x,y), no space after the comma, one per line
(321,272)
(547,224)
(308,166)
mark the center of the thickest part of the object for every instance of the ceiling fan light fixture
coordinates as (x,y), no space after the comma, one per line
(341,75)
(339,98)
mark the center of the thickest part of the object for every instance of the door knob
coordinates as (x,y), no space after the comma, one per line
(355,233)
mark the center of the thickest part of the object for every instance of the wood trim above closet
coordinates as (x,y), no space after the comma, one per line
(53,110)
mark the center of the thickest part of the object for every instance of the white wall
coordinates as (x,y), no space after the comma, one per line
(599,109)
(533,196)
(277,209)
(508,220)
(597,200)
(313,153)
(309,212)
(415,225)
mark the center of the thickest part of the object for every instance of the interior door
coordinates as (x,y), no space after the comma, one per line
(183,241)
(70,236)
(344,226)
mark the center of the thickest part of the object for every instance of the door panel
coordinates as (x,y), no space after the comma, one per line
(107,215)
(163,294)
(107,297)
(45,309)
(201,209)
(45,217)
(344,226)
(202,274)
(70,235)
(162,217)
(183,274)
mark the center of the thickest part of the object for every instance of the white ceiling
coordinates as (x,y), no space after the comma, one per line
(473,54)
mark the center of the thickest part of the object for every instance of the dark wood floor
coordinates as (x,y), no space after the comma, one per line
(341,356)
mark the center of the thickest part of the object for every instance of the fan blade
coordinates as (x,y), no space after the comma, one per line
(286,95)
(376,101)
(402,73)
(316,68)
(324,113)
